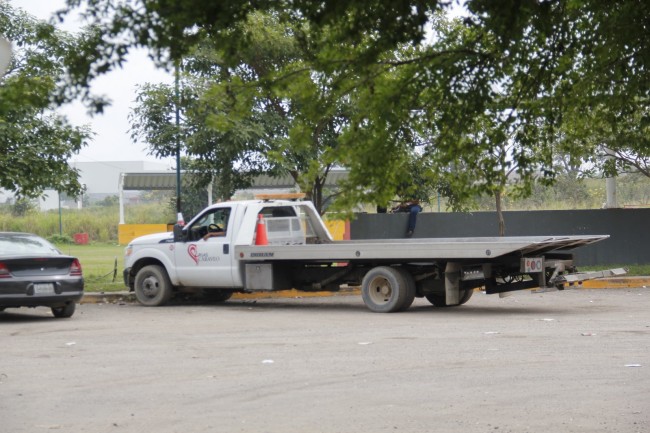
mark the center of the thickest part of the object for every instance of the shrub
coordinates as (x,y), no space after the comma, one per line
(60,239)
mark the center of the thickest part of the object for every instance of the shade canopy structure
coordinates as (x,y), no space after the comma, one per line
(166,180)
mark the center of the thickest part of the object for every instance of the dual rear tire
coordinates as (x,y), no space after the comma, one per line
(438,300)
(387,289)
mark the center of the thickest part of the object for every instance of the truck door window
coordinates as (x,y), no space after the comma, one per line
(212,223)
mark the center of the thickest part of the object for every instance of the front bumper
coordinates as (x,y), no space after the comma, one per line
(128,280)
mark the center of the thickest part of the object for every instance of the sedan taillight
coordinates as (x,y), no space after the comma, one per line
(4,271)
(75,268)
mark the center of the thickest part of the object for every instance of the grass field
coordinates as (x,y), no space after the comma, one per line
(99,263)
(632,270)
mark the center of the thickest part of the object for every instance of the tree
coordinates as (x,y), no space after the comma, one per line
(608,112)
(171,28)
(488,118)
(109,201)
(271,84)
(260,111)
(209,154)
(526,67)
(35,142)
(618,139)
(23,206)
(220,146)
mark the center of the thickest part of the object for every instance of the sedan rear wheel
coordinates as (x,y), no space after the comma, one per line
(64,312)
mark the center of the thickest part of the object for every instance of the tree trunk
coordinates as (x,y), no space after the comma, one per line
(502,223)
(317,194)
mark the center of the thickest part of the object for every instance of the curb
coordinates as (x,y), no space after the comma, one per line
(129,297)
(107,297)
(617,283)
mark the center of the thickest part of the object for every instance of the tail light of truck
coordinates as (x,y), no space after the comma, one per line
(75,268)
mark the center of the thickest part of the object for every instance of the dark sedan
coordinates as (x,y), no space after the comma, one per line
(34,273)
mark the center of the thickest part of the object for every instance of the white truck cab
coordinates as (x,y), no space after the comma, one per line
(200,255)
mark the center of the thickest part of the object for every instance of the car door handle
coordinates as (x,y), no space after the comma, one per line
(226,248)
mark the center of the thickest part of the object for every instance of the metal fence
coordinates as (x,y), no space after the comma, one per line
(629,229)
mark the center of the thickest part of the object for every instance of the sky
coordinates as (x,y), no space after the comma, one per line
(112,141)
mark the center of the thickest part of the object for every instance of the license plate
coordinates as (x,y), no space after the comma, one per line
(43,288)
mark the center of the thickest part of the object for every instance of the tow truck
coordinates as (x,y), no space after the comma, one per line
(273,244)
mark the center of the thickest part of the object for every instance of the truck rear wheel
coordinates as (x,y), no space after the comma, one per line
(410,287)
(152,286)
(386,290)
(439,300)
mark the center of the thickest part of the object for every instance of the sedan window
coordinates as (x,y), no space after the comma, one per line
(25,244)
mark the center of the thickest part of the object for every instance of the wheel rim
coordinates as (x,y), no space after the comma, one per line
(380,290)
(150,287)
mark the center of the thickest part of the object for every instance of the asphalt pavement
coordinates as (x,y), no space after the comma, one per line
(576,361)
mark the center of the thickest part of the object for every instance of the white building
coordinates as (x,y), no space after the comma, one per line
(101,179)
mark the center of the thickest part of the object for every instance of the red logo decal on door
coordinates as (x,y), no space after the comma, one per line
(192,251)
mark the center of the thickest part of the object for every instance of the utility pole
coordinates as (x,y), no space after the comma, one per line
(178,143)
(60,216)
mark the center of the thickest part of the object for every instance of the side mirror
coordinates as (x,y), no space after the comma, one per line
(179,233)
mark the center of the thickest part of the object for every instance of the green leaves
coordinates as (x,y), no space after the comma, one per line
(35,142)
(486,100)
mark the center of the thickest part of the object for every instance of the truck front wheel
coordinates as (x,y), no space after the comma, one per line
(385,290)
(152,286)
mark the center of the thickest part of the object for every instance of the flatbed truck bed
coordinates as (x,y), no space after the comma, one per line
(415,249)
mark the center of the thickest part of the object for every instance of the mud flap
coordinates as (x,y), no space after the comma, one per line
(452,283)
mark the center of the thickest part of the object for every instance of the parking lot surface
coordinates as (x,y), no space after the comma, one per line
(575,361)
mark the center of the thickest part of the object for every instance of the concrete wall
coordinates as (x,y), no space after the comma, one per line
(127,232)
(629,229)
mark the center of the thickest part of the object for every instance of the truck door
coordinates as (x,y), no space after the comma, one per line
(205,259)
